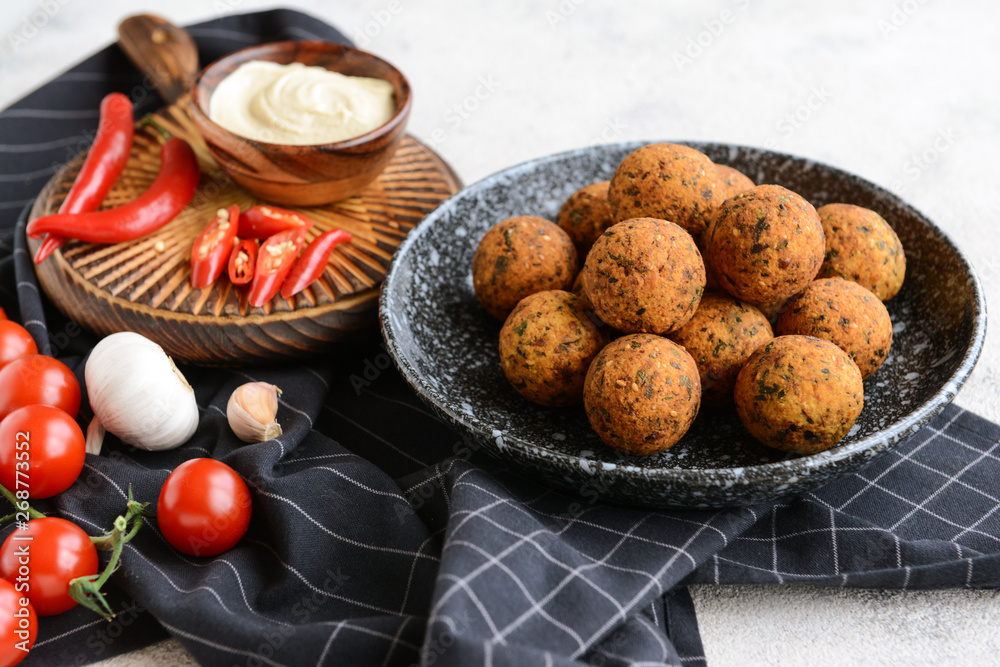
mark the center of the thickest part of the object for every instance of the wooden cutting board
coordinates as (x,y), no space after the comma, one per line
(144,285)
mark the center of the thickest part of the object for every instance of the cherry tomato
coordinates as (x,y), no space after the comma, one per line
(38,378)
(15,342)
(41,450)
(47,555)
(204,507)
(18,625)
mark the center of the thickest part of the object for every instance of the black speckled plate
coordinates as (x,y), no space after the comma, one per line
(446,345)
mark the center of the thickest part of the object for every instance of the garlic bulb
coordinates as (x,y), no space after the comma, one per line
(252,410)
(138,394)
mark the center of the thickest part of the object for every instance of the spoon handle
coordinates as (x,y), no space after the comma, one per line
(162,51)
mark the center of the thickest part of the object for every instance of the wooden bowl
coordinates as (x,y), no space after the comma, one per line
(303,175)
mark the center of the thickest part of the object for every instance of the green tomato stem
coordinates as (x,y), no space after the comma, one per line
(86,590)
(19,505)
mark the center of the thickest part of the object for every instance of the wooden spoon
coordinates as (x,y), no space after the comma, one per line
(164,52)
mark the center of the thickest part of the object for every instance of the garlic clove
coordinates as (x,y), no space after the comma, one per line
(252,412)
(95,436)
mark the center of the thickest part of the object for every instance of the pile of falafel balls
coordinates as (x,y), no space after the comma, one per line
(697,287)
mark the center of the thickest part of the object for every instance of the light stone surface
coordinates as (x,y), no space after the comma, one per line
(901,92)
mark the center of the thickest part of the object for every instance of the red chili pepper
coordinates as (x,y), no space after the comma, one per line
(166,197)
(212,248)
(103,166)
(274,261)
(242,261)
(263,221)
(310,265)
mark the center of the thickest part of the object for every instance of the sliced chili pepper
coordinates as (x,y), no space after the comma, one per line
(173,188)
(211,250)
(310,265)
(242,261)
(103,166)
(263,221)
(274,261)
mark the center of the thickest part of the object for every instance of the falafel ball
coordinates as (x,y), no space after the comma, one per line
(765,244)
(721,336)
(844,313)
(520,256)
(546,346)
(799,394)
(642,393)
(666,181)
(861,246)
(644,276)
(585,215)
(732,181)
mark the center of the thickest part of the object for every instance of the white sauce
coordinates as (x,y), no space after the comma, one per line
(299,105)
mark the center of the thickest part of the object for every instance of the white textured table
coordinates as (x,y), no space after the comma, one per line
(903,92)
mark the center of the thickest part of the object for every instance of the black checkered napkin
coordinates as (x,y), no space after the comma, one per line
(925,515)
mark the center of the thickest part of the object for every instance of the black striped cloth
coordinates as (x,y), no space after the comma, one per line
(381,537)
